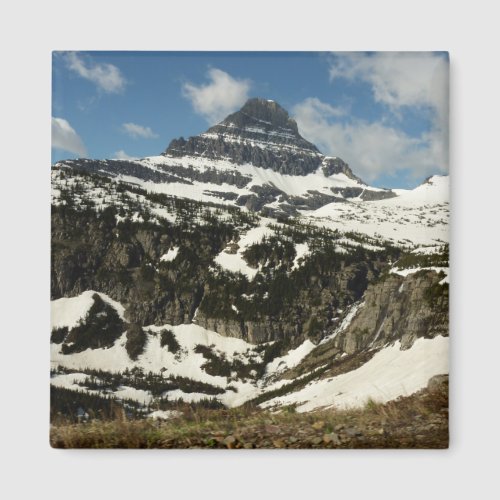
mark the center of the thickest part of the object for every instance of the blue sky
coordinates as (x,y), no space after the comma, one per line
(384,113)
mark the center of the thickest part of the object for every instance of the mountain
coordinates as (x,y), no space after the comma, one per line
(255,158)
(261,133)
(242,266)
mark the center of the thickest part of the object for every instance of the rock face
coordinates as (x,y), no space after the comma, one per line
(260,133)
(438,382)
(306,313)
(364,194)
(90,251)
(398,308)
(263,134)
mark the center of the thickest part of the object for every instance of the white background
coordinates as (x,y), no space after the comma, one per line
(30,30)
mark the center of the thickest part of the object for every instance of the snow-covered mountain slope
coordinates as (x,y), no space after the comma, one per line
(433,191)
(184,367)
(419,216)
(252,176)
(256,160)
(68,311)
(189,357)
(223,181)
(390,373)
(244,266)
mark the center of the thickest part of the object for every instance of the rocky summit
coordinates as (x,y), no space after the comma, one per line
(243,267)
(261,133)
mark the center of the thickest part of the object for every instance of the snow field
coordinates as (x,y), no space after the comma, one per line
(389,374)
(67,311)
(235,263)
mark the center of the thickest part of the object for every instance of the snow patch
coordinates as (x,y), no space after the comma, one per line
(69,380)
(301,251)
(68,311)
(345,322)
(170,255)
(139,395)
(164,414)
(389,374)
(187,397)
(291,359)
(412,270)
(185,363)
(235,263)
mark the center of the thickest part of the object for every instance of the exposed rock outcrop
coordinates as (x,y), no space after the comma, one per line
(398,308)
(263,134)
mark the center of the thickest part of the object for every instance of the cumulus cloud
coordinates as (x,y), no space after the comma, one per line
(403,81)
(121,155)
(135,131)
(399,79)
(65,138)
(312,107)
(216,99)
(371,148)
(105,76)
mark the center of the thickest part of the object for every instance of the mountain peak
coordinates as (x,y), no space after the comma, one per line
(265,113)
(265,124)
(263,134)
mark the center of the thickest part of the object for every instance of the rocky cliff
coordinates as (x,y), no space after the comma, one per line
(398,309)
(261,133)
(92,251)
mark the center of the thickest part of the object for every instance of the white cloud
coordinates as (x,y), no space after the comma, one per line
(134,130)
(399,79)
(65,138)
(312,107)
(106,76)
(371,148)
(121,155)
(216,99)
(402,81)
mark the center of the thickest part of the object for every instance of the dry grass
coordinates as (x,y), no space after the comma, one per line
(418,421)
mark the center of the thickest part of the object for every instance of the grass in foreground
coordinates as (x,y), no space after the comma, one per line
(417,421)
